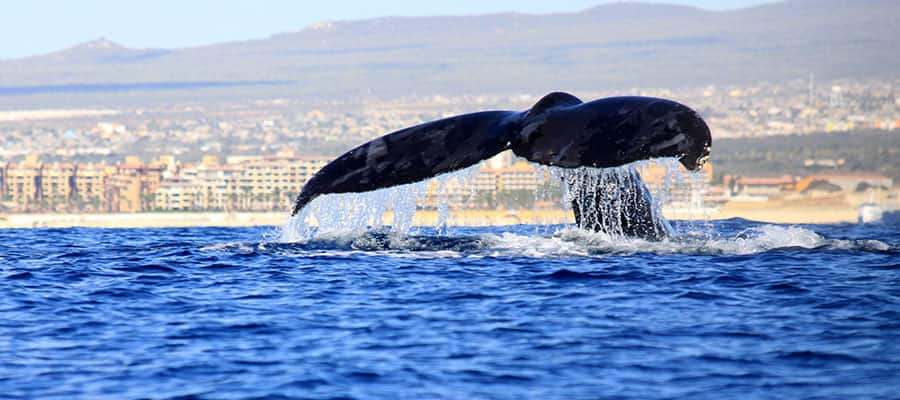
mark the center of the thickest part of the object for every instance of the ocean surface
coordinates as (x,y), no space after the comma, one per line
(729,309)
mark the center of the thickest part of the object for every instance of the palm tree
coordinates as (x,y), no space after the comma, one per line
(233,199)
(260,200)
(247,197)
(276,198)
(148,201)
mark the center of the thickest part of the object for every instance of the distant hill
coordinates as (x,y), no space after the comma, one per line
(96,52)
(610,46)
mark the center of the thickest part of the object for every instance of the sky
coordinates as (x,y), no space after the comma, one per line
(30,27)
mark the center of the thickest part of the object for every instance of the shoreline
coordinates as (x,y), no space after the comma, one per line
(754,212)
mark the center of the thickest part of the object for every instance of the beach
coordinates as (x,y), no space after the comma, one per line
(763,212)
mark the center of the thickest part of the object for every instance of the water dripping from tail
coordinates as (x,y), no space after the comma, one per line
(394,209)
(614,201)
(618,202)
(352,214)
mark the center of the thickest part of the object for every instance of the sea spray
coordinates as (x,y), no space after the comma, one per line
(348,214)
(456,187)
(352,214)
(613,200)
(671,187)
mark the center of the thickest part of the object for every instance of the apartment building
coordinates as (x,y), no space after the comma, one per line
(178,195)
(91,182)
(57,183)
(23,183)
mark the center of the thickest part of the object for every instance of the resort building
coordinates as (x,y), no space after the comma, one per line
(759,187)
(846,182)
(519,176)
(133,186)
(57,184)
(272,183)
(2,182)
(254,183)
(23,183)
(91,183)
(178,195)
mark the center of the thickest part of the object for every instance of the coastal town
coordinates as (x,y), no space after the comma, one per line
(257,156)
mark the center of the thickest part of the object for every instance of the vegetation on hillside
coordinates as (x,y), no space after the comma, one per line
(873,151)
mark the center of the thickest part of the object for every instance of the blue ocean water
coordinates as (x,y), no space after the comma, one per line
(736,310)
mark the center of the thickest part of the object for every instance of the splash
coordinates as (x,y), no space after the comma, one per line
(353,214)
(605,197)
(345,214)
(565,242)
(612,200)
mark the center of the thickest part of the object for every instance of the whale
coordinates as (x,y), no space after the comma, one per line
(559,130)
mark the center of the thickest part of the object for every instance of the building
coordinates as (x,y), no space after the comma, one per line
(125,192)
(133,186)
(91,183)
(274,182)
(23,184)
(461,190)
(57,185)
(2,182)
(519,176)
(846,182)
(759,186)
(178,195)
(151,177)
(216,184)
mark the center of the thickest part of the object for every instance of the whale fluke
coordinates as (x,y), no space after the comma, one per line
(558,130)
(414,154)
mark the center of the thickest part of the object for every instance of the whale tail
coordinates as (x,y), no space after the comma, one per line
(414,154)
(558,130)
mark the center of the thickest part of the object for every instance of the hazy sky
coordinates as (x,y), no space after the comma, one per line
(39,26)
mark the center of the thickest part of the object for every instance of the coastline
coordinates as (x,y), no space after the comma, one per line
(762,212)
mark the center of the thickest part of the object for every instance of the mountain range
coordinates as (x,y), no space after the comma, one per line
(620,45)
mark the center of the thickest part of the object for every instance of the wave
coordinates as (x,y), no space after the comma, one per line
(561,243)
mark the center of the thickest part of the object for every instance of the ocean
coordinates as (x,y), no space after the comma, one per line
(726,309)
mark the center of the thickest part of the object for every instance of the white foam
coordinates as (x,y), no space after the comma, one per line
(564,243)
(573,242)
(352,214)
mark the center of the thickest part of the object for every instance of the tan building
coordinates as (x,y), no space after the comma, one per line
(23,183)
(465,190)
(125,192)
(479,189)
(57,185)
(519,176)
(133,186)
(151,177)
(2,182)
(657,173)
(272,183)
(217,185)
(91,185)
(759,186)
(673,185)
(177,195)
(848,182)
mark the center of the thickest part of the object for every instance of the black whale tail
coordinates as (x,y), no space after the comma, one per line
(558,130)
(415,154)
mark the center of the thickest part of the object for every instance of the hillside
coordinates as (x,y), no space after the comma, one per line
(619,45)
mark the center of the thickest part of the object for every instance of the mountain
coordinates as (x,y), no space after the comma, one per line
(620,45)
(96,52)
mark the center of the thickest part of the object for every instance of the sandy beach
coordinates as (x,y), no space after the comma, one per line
(765,212)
